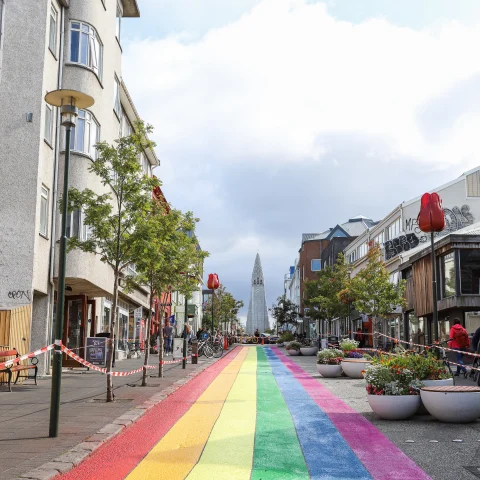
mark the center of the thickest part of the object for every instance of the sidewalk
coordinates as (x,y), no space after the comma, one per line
(24,413)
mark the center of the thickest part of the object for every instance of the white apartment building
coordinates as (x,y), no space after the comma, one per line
(47,45)
(399,236)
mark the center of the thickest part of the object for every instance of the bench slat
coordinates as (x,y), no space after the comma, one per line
(451,389)
(7,353)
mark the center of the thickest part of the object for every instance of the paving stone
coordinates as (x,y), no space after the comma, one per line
(41,474)
(90,446)
(115,429)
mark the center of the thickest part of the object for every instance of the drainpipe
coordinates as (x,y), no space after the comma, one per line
(53,232)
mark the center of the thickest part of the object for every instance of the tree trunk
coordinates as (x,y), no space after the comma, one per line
(160,347)
(111,340)
(147,340)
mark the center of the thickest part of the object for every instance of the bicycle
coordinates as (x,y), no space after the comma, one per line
(204,348)
(217,346)
(474,375)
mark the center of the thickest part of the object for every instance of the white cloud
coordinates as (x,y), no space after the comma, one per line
(260,121)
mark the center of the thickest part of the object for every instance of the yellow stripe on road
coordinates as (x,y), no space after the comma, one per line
(179,450)
(228,453)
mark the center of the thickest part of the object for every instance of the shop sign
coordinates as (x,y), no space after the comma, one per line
(96,351)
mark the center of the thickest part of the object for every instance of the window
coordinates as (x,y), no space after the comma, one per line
(85,47)
(126,128)
(316,267)
(73,224)
(145,164)
(117,107)
(48,123)
(119,22)
(394,229)
(448,275)
(362,250)
(44,211)
(351,257)
(470,271)
(52,39)
(86,134)
(473,184)
(380,238)
(2,6)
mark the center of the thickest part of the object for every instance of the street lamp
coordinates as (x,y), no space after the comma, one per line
(69,102)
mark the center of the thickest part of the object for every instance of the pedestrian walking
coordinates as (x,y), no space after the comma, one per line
(459,340)
(257,333)
(476,341)
(168,338)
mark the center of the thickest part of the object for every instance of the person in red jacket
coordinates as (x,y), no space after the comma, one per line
(459,340)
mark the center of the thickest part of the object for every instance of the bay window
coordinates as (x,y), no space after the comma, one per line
(85,47)
(86,134)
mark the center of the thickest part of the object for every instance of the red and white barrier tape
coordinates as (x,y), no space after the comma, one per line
(14,361)
(428,346)
(464,366)
(170,362)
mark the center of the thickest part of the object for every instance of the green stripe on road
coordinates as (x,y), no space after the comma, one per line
(277,454)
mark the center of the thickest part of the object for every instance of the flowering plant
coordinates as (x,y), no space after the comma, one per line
(347,345)
(389,380)
(330,356)
(353,354)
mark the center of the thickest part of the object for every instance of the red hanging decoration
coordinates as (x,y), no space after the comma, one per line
(431,217)
(213,282)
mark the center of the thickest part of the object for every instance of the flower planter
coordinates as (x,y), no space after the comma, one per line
(353,367)
(433,383)
(394,407)
(452,404)
(329,371)
(309,351)
(280,345)
(292,352)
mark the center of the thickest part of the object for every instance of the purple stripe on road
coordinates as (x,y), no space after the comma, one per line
(383,459)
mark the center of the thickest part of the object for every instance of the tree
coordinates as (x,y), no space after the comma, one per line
(284,311)
(113,217)
(165,249)
(324,295)
(225,308)
(372,291)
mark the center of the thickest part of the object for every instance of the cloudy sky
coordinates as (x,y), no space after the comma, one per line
(278,117)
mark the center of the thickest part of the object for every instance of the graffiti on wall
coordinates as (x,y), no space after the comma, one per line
(19,295)
(455,219)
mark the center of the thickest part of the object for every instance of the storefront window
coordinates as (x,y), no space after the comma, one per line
(448,275)
(444,329)
(106,317)
(470,272)
(122,330)
(417,330)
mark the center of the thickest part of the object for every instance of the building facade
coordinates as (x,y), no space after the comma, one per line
(74,45)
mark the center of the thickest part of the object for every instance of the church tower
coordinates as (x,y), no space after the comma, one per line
(257,308)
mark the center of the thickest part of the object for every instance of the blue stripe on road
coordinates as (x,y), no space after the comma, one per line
(327,454)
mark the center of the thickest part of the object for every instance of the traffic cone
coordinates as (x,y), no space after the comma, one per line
(225,343)
(263,341)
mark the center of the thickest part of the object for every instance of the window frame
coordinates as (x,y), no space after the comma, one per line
(451,256)
(118,22)
(117,104)
(89,119)
(92,36)
(54,19)
(48,114)
(44,206)
(319,265)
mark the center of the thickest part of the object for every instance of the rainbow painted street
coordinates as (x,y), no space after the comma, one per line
(255,414)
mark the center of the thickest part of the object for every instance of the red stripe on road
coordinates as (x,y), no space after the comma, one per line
(118,457)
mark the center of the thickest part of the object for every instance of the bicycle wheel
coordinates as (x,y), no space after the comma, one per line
(208,350)
(217,350)
(451,372)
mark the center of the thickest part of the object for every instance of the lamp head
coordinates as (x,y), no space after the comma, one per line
(69,102)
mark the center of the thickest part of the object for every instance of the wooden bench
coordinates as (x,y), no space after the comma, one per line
(6,355)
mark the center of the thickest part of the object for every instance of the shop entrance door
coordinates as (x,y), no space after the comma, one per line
(74,327)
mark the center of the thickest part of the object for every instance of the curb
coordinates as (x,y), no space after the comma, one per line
(80,452)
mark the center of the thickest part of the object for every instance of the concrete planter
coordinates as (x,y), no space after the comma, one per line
(394,407)
(309,351)
(293,353)
(353,367)
(461,405)
(329,371)
(433,383)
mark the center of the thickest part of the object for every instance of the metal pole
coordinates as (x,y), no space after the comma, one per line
(213,325)
(434,287)
(184,360)
(57,356)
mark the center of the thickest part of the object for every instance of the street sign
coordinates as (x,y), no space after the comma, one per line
(137,313)
(96,351)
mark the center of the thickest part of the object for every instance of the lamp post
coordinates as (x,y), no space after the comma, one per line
(69,102)
(184,359)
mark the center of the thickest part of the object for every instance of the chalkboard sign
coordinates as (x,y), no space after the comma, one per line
(96,350)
